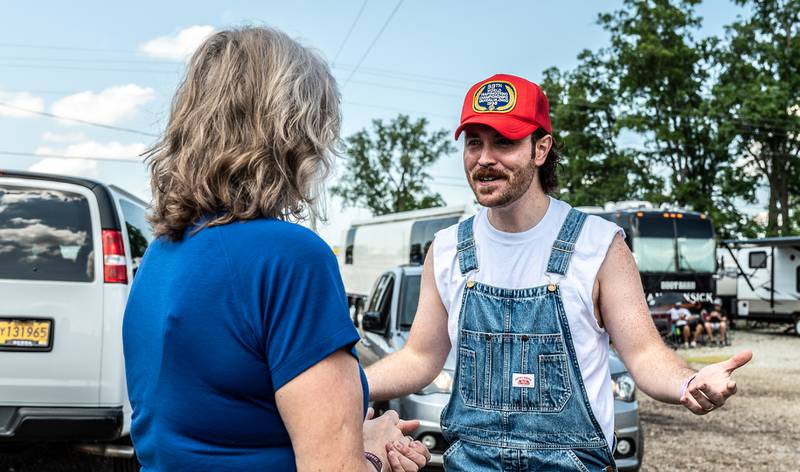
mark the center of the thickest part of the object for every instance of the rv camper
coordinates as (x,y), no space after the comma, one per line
(768,283)
(375,245)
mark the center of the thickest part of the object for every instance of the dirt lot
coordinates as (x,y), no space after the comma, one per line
(759,428)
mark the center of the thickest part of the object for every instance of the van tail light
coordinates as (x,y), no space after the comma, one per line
(115,270)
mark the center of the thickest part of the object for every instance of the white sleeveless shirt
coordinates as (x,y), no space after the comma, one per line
(519,260)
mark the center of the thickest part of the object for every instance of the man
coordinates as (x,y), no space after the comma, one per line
(717,322)
(680,316)
(528,293)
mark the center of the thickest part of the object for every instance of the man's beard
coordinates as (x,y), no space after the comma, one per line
(516,184)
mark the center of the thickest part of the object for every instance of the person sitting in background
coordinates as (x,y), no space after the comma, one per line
(237,339)
(696,316)
(717,322)
(680,319)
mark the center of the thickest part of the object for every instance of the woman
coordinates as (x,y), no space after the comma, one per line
(238,343)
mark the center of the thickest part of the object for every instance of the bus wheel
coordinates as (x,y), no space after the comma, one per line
(797,325)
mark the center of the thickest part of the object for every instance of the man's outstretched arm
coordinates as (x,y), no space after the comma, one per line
(657,370)
(421,359)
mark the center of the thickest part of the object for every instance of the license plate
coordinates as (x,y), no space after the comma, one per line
(25,334)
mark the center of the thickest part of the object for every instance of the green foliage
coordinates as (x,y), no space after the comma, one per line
(594,168)
(758,93)
(698,105)
(386,166)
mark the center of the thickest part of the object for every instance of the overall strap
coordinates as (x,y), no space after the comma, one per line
(564,245)
(467,259)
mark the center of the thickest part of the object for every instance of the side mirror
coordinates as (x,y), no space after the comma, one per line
(372,321)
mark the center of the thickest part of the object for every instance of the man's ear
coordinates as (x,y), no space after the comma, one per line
(541,148)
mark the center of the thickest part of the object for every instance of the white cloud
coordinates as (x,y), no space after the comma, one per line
(63,137)
(178,47)
(20,100)
(75,166)
(98,150)
(72,167)
(108,106)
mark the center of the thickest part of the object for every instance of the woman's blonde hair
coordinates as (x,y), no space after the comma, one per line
(251,134)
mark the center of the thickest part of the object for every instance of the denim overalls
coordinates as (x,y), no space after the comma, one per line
(518,402)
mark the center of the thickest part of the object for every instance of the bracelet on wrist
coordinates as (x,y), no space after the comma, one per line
(374,460)
(685,384)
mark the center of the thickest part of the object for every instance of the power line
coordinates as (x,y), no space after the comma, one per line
(95,69)
(65,48)
(374,40)
(84,60)
(78,120)
(402,110)
(349,32)
(134,160)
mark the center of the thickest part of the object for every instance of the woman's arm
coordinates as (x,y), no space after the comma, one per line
(322,409)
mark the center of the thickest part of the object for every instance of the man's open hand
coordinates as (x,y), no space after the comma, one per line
(713,384)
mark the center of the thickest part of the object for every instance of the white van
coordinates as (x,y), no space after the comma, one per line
(68,249)
(375,245)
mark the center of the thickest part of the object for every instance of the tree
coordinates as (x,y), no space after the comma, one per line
(759,94)
(386,166)
(594,168)
(664,75)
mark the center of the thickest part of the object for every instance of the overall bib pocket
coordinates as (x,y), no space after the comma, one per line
(513,372)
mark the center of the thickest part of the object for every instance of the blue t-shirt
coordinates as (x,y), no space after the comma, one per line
(215,324)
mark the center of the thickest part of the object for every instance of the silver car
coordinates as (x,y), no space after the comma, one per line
(384,328)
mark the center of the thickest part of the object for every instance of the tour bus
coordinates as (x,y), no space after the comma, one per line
(674,249)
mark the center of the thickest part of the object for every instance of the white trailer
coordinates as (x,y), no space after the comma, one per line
(768,282)
(373,246)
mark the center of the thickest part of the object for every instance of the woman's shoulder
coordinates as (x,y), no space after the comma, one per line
(280,239)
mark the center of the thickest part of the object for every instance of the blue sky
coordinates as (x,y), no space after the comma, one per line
(118,63)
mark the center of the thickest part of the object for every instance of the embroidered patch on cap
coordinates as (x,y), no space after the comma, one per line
(494,97)
(523,380)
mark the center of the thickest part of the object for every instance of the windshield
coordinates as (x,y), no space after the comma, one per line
(409,298)
(658,238)
(654,254)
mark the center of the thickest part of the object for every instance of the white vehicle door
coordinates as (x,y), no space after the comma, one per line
(51,294)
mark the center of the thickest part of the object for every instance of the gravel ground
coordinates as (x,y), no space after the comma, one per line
(757,430)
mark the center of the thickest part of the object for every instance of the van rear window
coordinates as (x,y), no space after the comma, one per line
(45,234)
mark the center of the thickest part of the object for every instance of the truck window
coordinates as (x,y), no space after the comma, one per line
(348,247)
(381,300)
(409,299)
(139,233)
(757,260)
(45,234)
(422,233)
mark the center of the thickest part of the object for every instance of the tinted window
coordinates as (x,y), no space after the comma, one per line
(377,293)
(694,228)
(656,227)
(422,233)
(348,248)
(758,260)
(381,301)
(45,234)
(797,280)
(139,234)
(409,299)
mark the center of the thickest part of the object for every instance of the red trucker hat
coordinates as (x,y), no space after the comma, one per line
(513,106)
